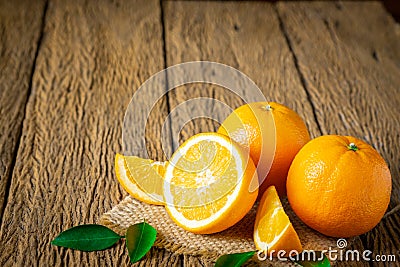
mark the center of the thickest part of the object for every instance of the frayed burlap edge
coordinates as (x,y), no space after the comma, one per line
(171,237)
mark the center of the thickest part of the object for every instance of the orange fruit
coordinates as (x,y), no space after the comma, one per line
(207,182)
(273,231)
(252,126)
(141,178)
(339,186)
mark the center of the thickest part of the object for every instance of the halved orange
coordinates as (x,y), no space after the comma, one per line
(141,178)
(273,230)
(207,183)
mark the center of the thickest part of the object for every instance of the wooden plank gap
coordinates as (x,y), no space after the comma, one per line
(296,63)
(19,134)
(164,44)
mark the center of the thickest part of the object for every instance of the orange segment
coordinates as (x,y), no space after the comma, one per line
(141,178)
(207,183)
(273,230)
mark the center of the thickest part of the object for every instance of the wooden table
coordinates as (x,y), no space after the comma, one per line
(69,69)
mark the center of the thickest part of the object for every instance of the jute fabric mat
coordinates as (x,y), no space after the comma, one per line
(236,239)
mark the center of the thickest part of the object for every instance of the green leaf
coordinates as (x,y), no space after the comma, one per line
(87,237)
(322,260)
(139,240)
(234,260)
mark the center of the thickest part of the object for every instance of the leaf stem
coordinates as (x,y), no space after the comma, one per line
(352,146)
(268,107)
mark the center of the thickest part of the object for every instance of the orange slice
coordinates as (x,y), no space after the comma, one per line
(207,183)
(273,231)
(141,178)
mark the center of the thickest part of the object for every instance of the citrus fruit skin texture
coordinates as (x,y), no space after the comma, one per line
(225,210)
(291,135)
(273,230)
(339,186)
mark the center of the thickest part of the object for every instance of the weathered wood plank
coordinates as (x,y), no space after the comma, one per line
(91,64)
(246,36)
(243,35)
(384,239)
(93,57)
(379,40)
(348,54)
(20,29)
(353,94)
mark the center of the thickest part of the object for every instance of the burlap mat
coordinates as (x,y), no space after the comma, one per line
(236,239)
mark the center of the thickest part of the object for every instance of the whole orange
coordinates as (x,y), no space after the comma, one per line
(252,126)
(339,186)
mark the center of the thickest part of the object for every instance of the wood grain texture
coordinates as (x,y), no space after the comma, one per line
(93,56)
(353,93)
(243,35)
(353,81)
(20,29)
(384,239)
(336,64)
(246,36)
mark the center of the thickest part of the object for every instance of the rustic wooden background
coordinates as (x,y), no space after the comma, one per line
(69,68)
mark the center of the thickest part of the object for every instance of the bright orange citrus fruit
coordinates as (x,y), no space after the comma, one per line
(141,178)
(251,125)
(339,186)
(207,183)
(273,230)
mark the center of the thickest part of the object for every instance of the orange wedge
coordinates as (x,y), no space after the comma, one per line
(141,178)
(207,183)
(273,231)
